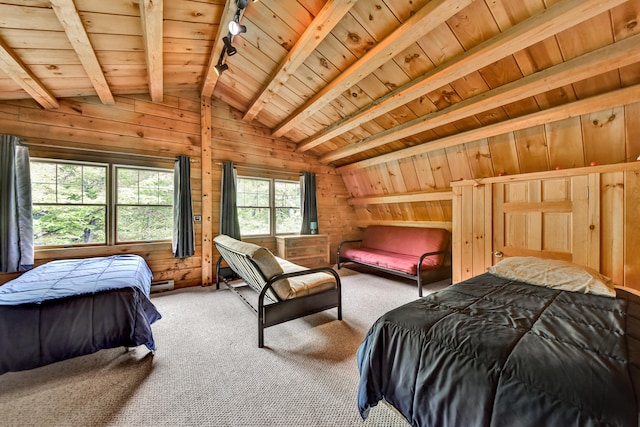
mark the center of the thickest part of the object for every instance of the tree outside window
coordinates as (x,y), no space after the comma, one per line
(268,206)
(144,204)
(69,203)
(71,200)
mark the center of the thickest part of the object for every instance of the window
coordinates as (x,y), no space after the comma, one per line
(144,204)
(73,203)
(69,203)
(268,206)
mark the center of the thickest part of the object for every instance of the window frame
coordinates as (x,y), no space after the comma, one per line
(115,204)
(272,205)
(111,198)
(106,203)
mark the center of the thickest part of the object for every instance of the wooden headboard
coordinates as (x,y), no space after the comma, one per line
(588,216)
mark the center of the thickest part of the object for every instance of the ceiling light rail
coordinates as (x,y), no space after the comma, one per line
(235,28)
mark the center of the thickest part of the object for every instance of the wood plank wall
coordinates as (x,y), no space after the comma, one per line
(139,132)
(607,136)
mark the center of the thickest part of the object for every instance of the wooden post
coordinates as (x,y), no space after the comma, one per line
(207,206)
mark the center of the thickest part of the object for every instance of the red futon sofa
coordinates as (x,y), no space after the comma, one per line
(403,251)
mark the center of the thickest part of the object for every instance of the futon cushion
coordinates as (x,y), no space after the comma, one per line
(271,266)
(390,260)
(263,258)
(406,240)
(302,285)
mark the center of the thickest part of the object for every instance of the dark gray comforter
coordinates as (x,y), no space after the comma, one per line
(491,352)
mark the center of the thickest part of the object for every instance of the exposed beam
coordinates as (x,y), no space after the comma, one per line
(151,14)
(430,16)
(330,14)
(211,77)
(20,74)
(68,16)
(551,21)
(398,223)
(611,57)
(605,101)
(426,196)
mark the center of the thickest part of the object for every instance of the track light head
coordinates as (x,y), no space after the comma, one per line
(221,68)
(228,46)
(236,28)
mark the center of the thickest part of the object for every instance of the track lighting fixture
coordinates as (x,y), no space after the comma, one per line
(220,66)
(228,46)
(235,28)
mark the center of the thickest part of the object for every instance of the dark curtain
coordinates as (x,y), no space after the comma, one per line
(229,223)
(16,223)
(308,202)
(183,234)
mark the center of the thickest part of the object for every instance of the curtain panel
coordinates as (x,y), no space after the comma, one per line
(183,232)
(229,223)
(16,222)
(308,203)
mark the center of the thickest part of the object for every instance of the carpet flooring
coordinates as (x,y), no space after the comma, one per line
(209,371)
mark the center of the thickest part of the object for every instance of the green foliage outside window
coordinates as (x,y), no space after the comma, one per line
(144,200)
(262,201)
(69,203)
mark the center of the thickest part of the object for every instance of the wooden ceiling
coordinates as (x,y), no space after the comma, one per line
(352,82)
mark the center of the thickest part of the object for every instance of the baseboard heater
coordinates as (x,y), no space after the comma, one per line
(165,285)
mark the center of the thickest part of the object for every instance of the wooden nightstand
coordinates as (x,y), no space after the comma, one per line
(308,250)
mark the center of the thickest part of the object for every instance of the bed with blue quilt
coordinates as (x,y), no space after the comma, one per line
(68,308)
(503,349)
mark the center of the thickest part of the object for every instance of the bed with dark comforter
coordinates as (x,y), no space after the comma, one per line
(491,351)
(69,308)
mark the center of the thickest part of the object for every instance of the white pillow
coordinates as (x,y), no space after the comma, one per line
(561,275)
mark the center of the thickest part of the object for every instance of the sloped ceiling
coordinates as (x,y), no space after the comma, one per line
(352,82)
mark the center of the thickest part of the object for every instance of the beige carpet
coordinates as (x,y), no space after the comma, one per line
(209,371)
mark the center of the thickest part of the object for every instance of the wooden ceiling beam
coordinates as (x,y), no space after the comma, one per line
(211,76)
(151,14)
(331,13)
(551,21)
(70,20)
(19,73)
(430,16)
(423,196)
(602,102)
(599,61)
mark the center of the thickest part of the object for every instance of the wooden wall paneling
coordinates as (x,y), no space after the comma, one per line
(478,228)
(612,195)
(480,159)
(632,229)
(504,154)
(632,129)
(440,169)
(457,261)
(459,162)
(564,141)
(532,149)
(604,136)
(594,221)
